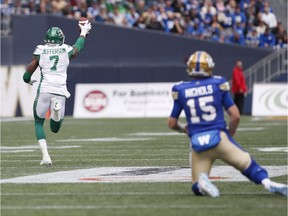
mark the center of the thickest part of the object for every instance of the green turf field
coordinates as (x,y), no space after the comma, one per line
(137,158)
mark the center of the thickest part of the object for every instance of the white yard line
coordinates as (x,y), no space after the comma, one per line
(100,159)
(250,129)
(35,147)
(111,149)
(273,149)
(106,139)
(178,134)
(124,194)
(155,134)
(190,206)
(84,155)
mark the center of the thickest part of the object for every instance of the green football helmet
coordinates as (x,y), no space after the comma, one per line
(54,35)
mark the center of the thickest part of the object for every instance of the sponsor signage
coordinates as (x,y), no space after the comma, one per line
(270,100)
(15,92)
(91,100)
(123,100)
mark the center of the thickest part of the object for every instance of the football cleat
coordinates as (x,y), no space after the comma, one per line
(206,186)
(56,104)
(56,107)
(46,161)
(200,64)
(279,188)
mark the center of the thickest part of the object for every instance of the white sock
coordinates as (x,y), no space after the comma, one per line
(266,183)
(43,146)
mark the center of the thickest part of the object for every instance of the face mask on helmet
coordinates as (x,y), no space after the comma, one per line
(54,35)
(200,64)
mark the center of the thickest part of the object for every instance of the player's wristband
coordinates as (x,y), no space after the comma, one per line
(27,77)
(80,43)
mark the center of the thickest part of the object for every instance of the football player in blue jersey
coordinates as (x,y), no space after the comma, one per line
(203,100)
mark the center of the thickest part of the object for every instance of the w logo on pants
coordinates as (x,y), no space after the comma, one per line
(204,139)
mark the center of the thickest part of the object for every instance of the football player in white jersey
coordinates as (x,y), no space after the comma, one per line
(53,59)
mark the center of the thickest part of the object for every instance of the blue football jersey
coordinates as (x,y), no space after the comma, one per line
(203,101)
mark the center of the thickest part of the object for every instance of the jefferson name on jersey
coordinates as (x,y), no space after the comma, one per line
(53,51)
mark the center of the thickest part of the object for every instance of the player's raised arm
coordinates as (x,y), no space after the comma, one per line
(84,27)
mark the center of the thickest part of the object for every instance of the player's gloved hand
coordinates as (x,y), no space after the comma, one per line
(32,82)
(85,28)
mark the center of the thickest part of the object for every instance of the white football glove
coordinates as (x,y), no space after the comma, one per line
(85,28)
(32,82)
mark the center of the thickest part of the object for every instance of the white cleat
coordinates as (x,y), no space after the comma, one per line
(206,186)
(279,188)
(46,161)
(55,111)
(56,104)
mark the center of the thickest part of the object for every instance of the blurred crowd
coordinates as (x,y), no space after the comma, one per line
(245,22)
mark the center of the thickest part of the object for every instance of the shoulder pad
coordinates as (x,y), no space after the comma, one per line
(38,50)
(175,95)
(225,86)
(218,77)
(178,83)
(175,88)
(68,47)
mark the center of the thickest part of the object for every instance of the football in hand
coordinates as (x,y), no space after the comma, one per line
(83,21)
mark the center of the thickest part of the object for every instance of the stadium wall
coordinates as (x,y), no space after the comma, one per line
(116,55)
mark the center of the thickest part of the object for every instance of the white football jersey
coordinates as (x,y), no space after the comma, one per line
(53,63)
